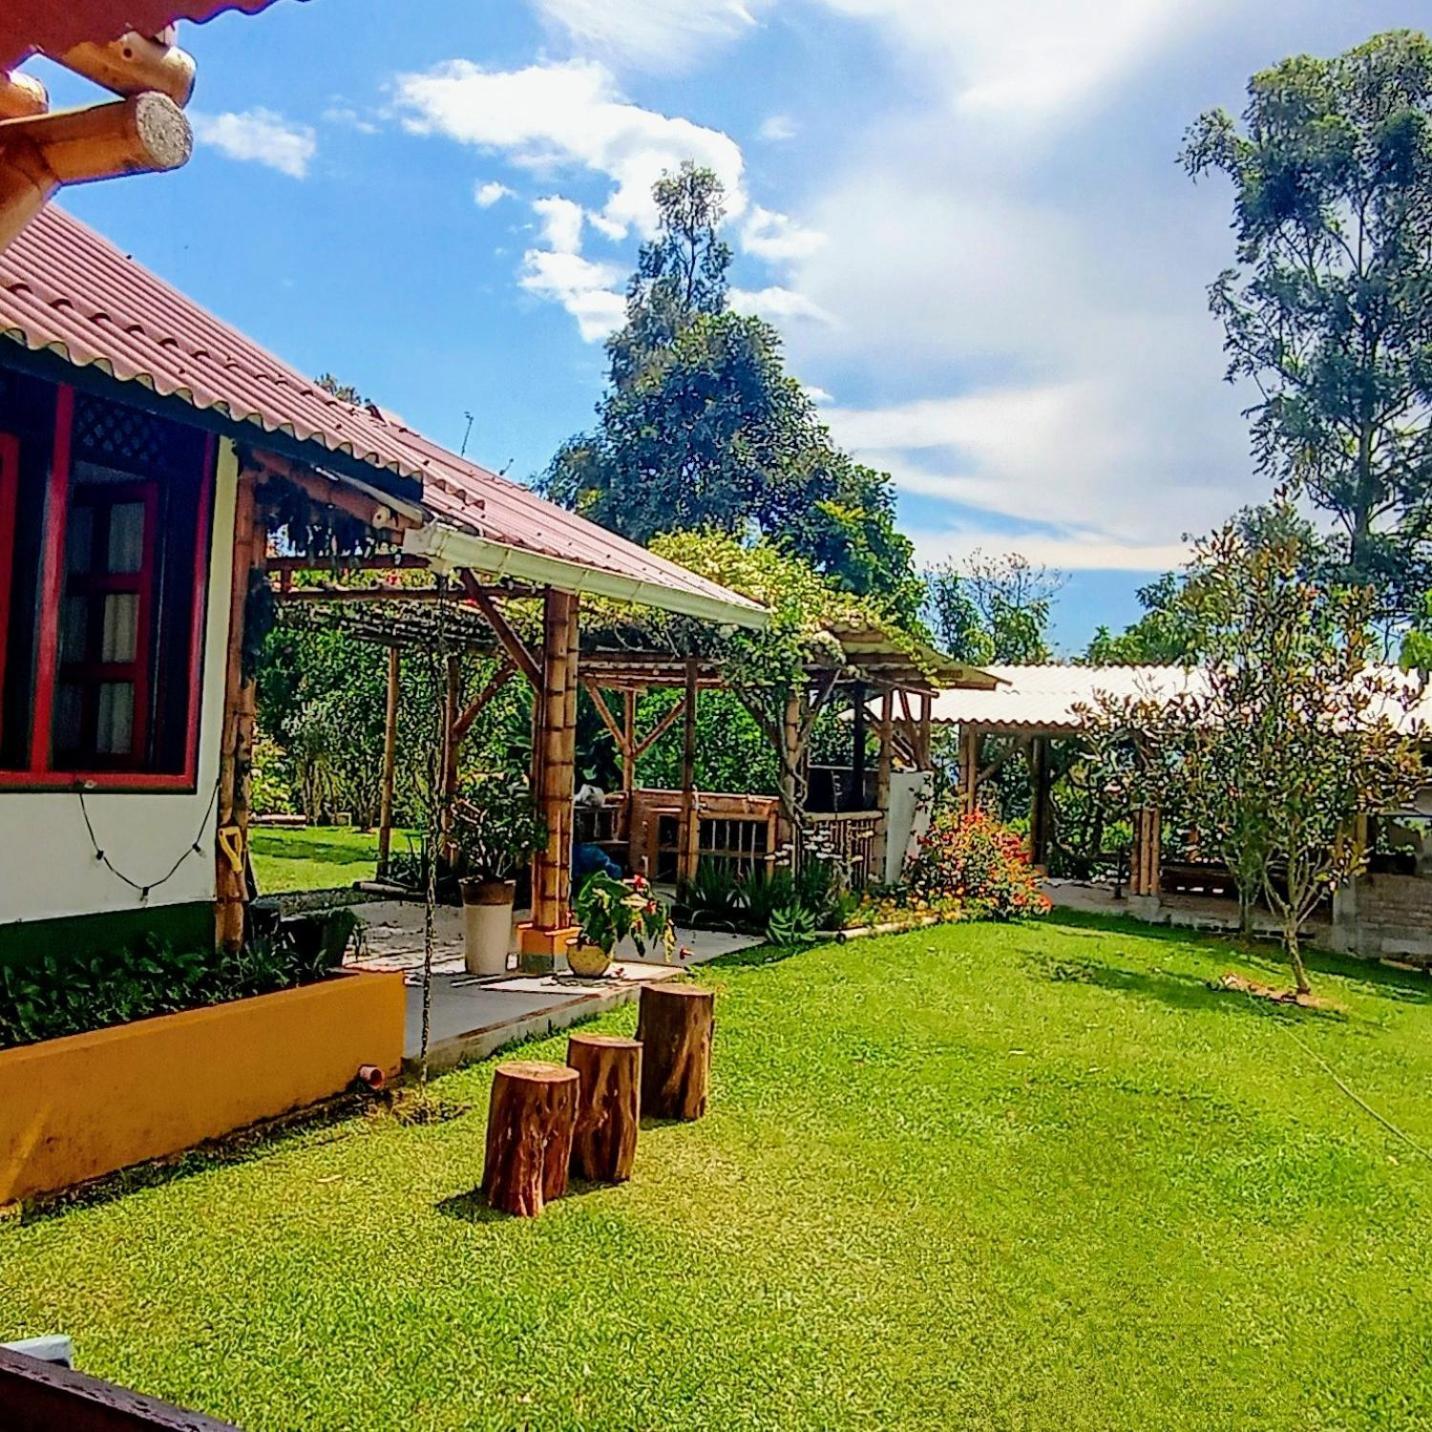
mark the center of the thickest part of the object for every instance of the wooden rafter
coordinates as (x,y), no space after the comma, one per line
(608,720)
(134,64)
(327,491)
(660,729)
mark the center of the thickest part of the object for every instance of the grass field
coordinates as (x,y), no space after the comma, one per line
(314,857)
(1031,1176)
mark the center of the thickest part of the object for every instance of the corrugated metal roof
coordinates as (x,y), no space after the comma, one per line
(1043,698)
(54,26)
(1031,699)
(66,290)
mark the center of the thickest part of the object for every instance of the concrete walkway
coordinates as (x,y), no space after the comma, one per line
(469,1016)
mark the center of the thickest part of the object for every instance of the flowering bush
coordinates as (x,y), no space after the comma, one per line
(971,857)
(608,910)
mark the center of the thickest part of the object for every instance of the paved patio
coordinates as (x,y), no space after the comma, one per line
(470,1016)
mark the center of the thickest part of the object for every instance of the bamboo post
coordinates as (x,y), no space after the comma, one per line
(236,750)
(629,759)
(690,853)
(554,719)
(452,700)
(1039,800)
(886,734)
(390,755)
(969,769)
(859,716)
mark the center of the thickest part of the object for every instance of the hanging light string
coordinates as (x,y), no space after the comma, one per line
(144,888)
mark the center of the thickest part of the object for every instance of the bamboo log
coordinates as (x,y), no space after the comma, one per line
(608,1106)
(690,854)
(530,1121)
(133,64)
(675,1024)
(885,732)
(390,754)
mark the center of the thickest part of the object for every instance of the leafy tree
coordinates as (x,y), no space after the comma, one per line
(702,427)
(1417,642)
(992,608)
(1162,636)
(1328,313)
(1284,734)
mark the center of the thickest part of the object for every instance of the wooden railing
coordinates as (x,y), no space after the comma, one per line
(850,836)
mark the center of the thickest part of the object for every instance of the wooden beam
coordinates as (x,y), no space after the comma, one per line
(886,736)
(605,712)
(133,64)
(403,561)
(690,853)
(475,708)
(629,759)
(452,693)
(327,491)
(38,152)
(21,95)
(502,629)
(390,754)
(660,729)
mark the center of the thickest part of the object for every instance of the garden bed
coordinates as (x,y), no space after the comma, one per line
(75,1108)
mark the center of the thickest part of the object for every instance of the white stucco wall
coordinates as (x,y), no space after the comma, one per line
(910,793)
(47,864)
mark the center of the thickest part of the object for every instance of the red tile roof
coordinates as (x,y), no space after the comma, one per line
(54,26)
(66,290)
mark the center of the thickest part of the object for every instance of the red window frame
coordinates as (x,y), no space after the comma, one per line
(40,774)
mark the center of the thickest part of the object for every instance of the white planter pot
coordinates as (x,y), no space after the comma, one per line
(487,925)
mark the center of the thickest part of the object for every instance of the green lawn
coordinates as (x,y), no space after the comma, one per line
(982,1176)
(314,857)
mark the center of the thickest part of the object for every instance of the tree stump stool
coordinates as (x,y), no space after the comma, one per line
(530,1120)
(608,1105)
(674,1026)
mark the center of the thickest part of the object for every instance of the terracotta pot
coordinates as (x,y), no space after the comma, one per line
(487,924)
(589,961)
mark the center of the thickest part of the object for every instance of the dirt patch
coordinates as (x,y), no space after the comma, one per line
(1237,984)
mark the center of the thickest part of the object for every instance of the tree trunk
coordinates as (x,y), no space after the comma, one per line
(608,1106)
(530,1121)
(674,1026)
(1295,955)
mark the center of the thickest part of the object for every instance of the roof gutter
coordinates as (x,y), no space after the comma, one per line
(447,547)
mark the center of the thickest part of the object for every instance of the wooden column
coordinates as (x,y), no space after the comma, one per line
(629,760)
(236,748)
(924,752)
(390,755)
(969,768)
(859,717)
(790,759)
(690,852)
(547,934)
(1039,814)
(452,700)
(886,733)
(1144,859)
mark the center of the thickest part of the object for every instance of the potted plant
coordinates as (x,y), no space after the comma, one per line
(497,830)
(607,911)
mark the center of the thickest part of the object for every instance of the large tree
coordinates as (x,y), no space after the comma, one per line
(702,427)
(1328,311)
(992,608)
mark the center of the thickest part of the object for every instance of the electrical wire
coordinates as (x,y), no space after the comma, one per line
(144,889)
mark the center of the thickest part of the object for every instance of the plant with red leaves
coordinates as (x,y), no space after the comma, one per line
(971,857)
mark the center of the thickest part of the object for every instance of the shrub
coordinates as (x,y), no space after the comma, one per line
(975,859)
(59,995)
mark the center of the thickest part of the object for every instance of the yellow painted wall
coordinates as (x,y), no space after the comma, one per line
(73,1109)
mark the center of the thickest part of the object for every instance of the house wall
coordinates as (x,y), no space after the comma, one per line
(48,867)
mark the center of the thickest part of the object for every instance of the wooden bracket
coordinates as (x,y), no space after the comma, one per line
(608,720)
(500,678)
(660,729)
(511,642)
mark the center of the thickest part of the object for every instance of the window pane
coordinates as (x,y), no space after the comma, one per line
(69,715)
(121,627)
(74,627)
(114,735)
(126,537)
(79,537)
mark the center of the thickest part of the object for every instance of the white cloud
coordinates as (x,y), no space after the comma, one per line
(777,303)
(551,117)
(1069,550)
(818,396)
(653,34)
(488,194)
(349,118)
(775,237)
(259,136)
(584,288)
(561,223)
(777,128)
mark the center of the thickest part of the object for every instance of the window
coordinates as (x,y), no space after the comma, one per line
(104,554)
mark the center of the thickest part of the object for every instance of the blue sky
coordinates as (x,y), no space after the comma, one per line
(966,219)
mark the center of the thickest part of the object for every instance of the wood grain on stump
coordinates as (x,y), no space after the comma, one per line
(529,1135)
(674,1026)
(608,1105)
